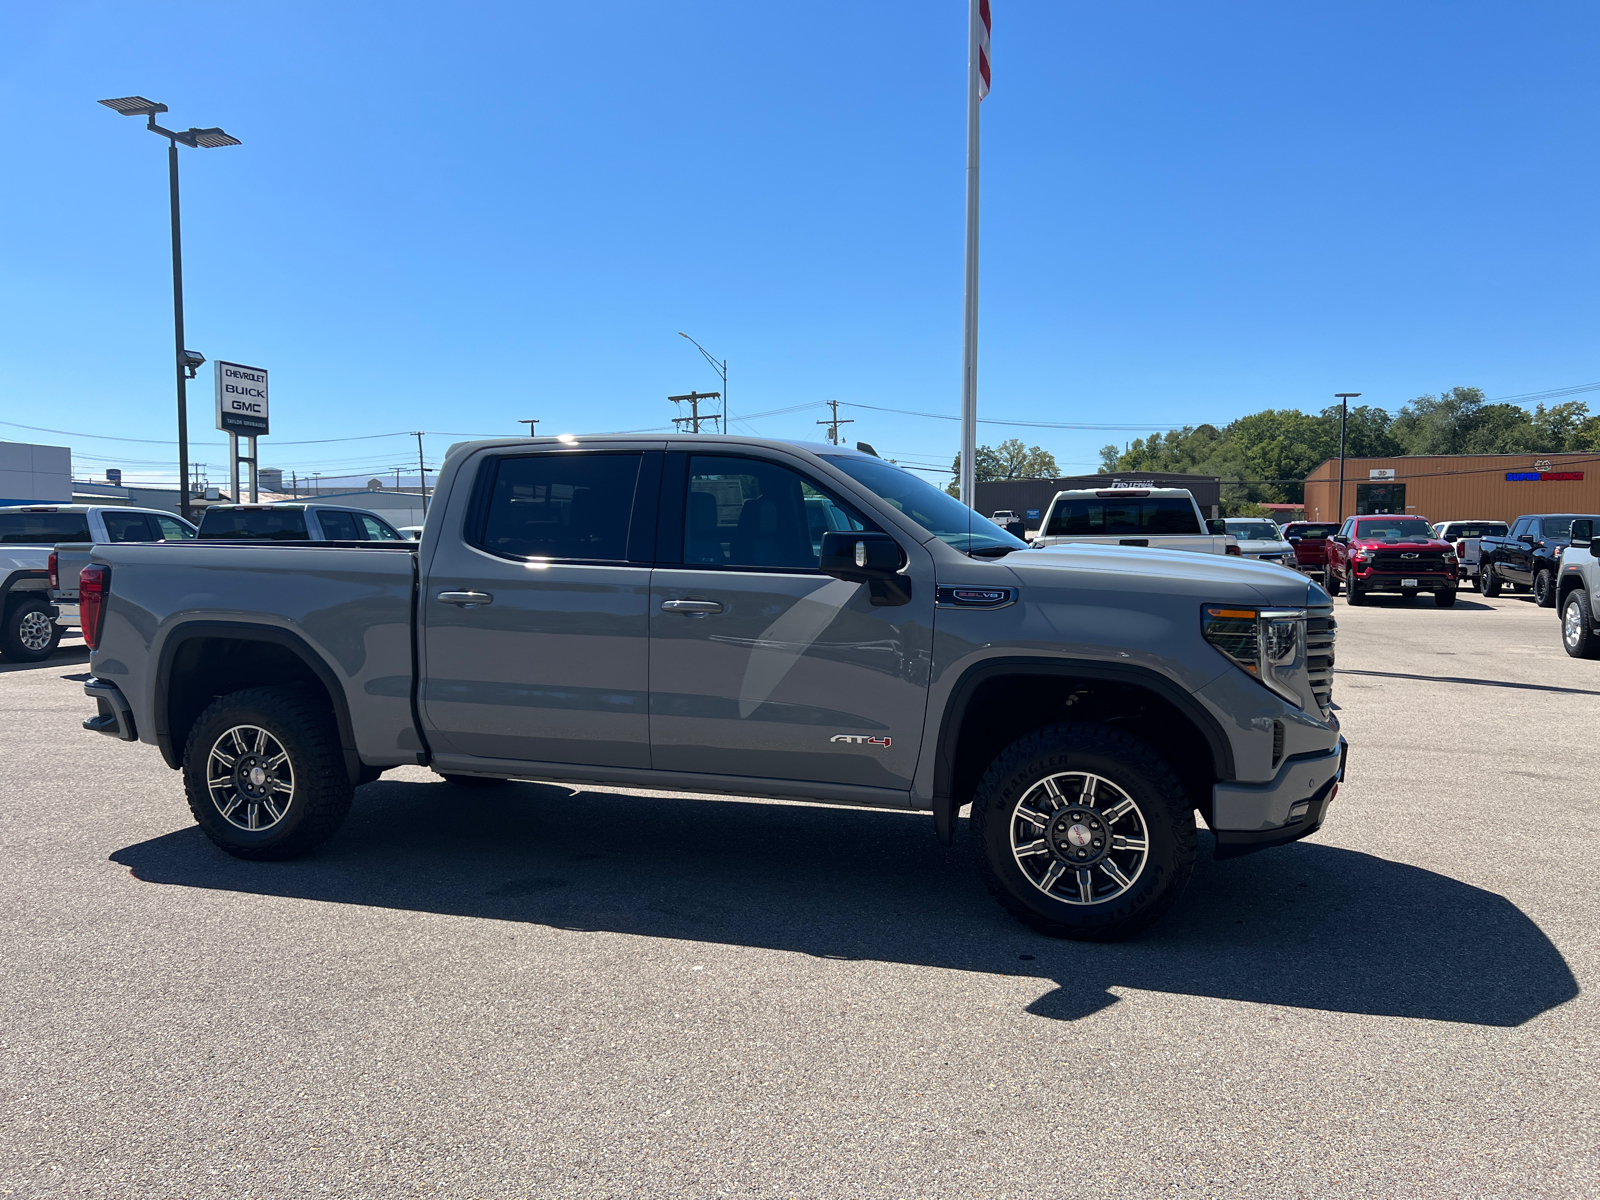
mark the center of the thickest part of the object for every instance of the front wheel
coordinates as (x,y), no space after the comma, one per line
(1544,589)
(1331,585)
(1083,832)
(1577,627)
(1489,581)
(1445,599)
(1357,596)
(264,773)
(29,634)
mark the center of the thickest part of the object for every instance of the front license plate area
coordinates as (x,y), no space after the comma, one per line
(1408,583)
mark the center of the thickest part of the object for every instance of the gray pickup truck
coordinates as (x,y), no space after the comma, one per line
(1578,591)
(758,618)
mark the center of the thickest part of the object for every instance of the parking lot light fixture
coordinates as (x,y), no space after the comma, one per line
(204,139)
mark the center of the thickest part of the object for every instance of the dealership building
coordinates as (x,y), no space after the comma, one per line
(1451,487)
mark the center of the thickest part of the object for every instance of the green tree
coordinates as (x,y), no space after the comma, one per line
(1009,460)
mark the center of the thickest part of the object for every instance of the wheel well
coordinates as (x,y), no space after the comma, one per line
(1005,707)
(1568,584)
(203,668)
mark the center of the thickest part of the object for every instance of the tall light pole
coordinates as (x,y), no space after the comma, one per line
(188,362)
(1344,399)
(721,368)
(977,89)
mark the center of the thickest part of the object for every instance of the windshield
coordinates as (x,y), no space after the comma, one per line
(1395,529)
(1311,531)
(939,513)
(1254,531)
(43,528)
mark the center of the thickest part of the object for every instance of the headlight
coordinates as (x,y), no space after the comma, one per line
(1360,555)
(1270,643)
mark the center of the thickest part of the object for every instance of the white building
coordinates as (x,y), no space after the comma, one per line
(35,474)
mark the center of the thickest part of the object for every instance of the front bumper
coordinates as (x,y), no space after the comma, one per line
(1253,816)
(1392,581)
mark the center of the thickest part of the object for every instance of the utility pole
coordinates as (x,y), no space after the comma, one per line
(835,421)
(422,475)
(316,483)
(692,421)
(397,479)
(294,482)
(533,425)
(1344,399)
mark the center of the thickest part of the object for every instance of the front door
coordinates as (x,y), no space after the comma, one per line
(534,620)
(759,664)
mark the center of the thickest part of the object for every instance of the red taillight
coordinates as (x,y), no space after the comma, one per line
(1234,550)
(1461,549)
(94,588)
(54,583)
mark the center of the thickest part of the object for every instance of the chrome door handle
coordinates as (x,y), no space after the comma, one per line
(466,599)
(691,608)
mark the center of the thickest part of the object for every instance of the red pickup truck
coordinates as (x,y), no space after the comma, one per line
(1391,554)
(1310,542)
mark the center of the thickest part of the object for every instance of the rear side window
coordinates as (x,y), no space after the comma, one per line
(262,525)
(43,528)
(128,527)
(1094,517)
(571,506)
(338,526)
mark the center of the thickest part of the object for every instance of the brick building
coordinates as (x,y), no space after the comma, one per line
(1450,487)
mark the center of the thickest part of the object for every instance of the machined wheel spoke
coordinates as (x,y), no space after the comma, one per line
(1119,810)
(1086,885)
(238,742)
(1039,847)
(223,757)
(254,816)
(1114,871)
(233,805)
(276,761)
(1090,783)
(261,742)
(273,809)
(1050,877)
(1037,820)
(1118,842)
(279,785)
(1054,792)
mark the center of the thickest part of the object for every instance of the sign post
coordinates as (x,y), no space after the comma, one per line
(242,411)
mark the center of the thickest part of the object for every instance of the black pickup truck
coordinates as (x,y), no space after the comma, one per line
(1528,557)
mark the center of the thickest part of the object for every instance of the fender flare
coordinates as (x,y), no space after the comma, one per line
(248,631)
(945,807)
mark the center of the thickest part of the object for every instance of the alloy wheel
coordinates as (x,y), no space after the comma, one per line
(250,778)
(1079,838)
(35,630)
(1572,625)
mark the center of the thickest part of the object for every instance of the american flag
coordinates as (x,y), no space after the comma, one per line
(983,49)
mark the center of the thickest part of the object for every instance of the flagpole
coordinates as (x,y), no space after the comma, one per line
(976,29)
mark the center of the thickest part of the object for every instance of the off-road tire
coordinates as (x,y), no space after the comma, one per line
(1581,643)
(1544,589)
(1128,763)
(27,621)
(304,725)
(1488,581)
(1355,595)
(1445,599)
(474,781)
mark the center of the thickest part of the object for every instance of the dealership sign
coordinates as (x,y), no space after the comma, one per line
(1381,473)
(1543,476)
(242,399)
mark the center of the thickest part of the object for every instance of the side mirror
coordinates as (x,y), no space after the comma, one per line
(1293,540)
(1582,532)
(1340,538)
(1527,537)
(871,558)
(1215,526)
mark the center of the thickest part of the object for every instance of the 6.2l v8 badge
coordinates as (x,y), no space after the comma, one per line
(860,739)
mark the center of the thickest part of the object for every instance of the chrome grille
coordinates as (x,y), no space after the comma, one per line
(1321,629)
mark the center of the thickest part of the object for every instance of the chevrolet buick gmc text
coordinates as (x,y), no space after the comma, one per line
(717,614)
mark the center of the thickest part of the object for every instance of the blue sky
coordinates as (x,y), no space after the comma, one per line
(450,217)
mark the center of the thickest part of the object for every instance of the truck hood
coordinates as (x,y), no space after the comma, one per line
(1211,577)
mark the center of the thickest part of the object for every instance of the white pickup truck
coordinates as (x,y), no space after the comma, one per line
(28,534)
(1162,518)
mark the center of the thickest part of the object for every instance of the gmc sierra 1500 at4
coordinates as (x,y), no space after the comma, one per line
(759,618)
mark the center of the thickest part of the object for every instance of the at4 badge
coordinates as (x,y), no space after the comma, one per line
(861,739)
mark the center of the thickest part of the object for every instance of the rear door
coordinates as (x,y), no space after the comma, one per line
(760,665)
(533,613)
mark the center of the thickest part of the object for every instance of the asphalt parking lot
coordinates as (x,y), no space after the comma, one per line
(533,991)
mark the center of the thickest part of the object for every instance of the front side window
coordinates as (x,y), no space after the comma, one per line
(255,525)
(338,526)
(170,529)
(743,512)
(1091,516)
(571,506)
(374,530)
(128,527)
(940,513)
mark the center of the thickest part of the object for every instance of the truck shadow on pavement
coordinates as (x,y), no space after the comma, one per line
(1310,926)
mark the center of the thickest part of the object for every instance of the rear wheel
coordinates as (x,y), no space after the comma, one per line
(1489,583)
(1544,589)
(1577,627)
(29,634)
(1083,832)
(264,773)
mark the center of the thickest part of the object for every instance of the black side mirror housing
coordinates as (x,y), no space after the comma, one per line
(1215,526)
(1294,541)
(874,559)
(1527,537)
(1582,532)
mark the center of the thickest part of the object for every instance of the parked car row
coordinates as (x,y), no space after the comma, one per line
(43,547)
